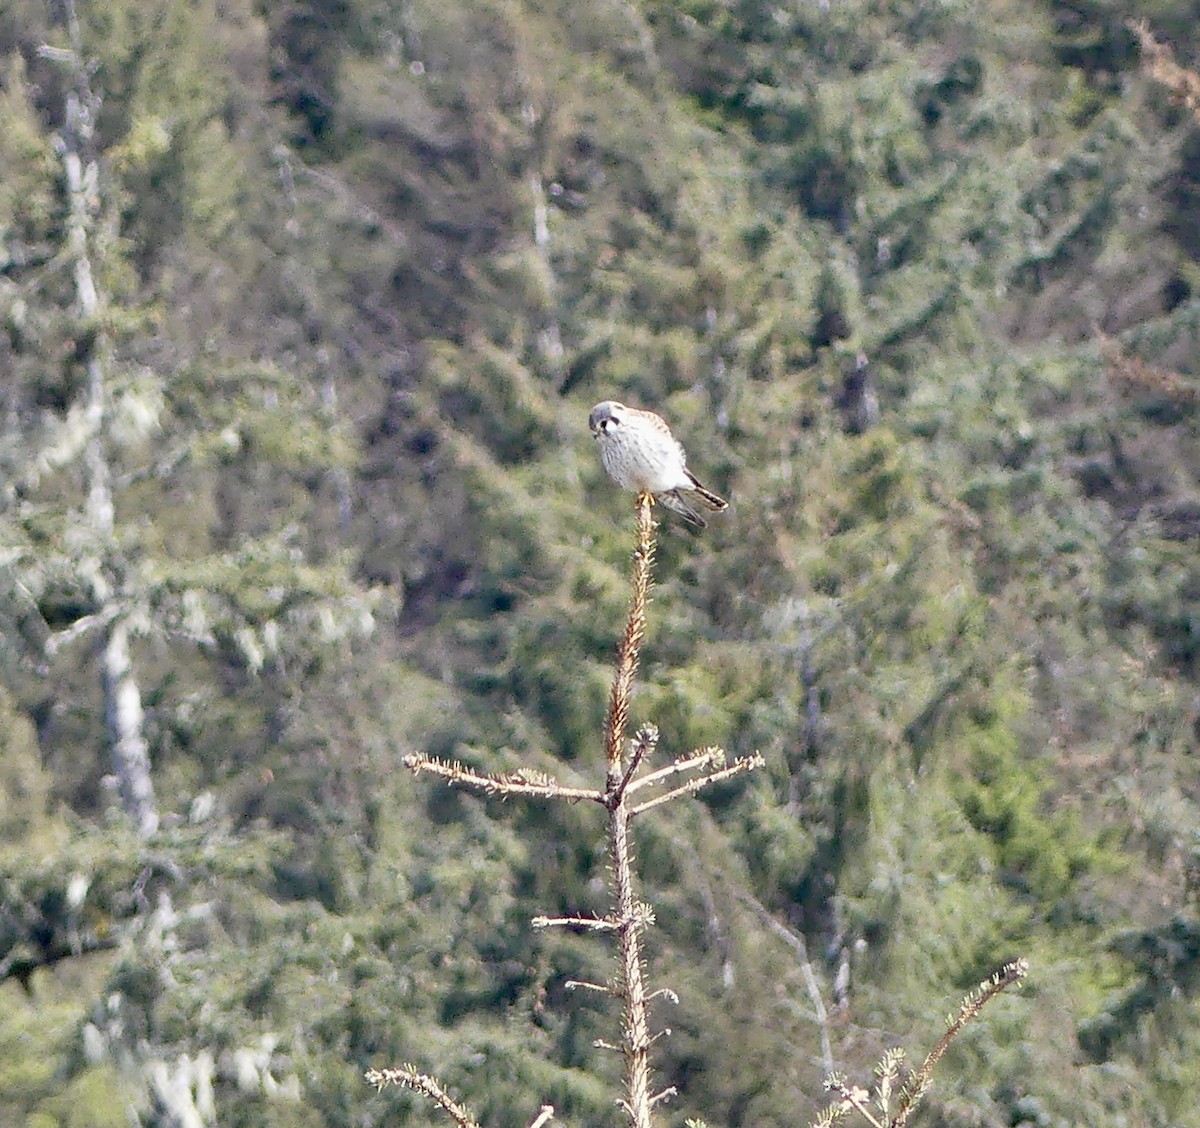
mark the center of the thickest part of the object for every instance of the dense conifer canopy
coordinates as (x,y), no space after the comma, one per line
(918,286)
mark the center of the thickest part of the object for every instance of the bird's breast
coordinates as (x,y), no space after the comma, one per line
(642,459)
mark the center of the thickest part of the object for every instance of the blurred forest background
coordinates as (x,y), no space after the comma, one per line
(302,309)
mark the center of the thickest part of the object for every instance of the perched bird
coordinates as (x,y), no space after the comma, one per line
(639,453)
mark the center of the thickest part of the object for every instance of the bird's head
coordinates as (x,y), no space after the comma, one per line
(606,418)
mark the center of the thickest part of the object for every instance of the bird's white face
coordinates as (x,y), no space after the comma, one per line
(606,419)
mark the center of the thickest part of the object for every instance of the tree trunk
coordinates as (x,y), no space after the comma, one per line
(123,714)
(123,719)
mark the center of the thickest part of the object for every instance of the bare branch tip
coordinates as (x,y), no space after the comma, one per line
(647,735)
(543,1117)
(601,988)
(666,1094)
(407,1076)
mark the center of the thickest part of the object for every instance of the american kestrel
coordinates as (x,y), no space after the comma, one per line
(639,453)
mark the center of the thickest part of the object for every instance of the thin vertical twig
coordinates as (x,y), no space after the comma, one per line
(628,916)
(631,641)
(627,912)
(631,985)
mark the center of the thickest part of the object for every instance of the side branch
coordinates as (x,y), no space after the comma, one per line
(745,764)
(1159,63)
(591,924)
(918,1084)
(408,1077)
(521,782)
(704,758)
(543,1117)
(644,743)
(586,985)
(851,1097)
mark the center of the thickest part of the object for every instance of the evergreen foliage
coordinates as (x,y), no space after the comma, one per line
(363,266)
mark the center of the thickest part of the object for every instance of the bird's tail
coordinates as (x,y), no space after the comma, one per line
(705,496)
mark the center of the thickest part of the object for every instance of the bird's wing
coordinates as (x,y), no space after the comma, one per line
(677,503)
